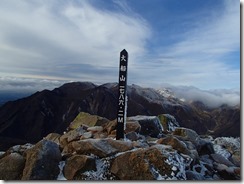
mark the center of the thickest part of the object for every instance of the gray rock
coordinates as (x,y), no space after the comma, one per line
(78,164)
(187,134)
(99,147)
(133,136)
(191,175)
(132,126)
(150,125)
(175,143)
(42,161)
(222,160)
(227,173)
(168,122)
(71,136)
(205,147)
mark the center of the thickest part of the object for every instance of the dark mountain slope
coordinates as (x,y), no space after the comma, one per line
(31,118)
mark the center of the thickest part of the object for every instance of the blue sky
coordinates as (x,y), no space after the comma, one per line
(178,42)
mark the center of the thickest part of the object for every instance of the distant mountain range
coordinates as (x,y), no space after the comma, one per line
(6,96)
(31,118)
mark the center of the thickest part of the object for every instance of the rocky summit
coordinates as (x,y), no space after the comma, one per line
(154,148)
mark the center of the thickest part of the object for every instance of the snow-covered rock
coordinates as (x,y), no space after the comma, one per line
(168,122)
(153,163)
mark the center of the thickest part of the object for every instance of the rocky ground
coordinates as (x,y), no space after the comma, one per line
(155,148)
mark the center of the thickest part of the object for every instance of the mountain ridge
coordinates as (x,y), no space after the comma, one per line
(31,118)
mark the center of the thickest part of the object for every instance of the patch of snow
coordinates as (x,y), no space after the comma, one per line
(228,142)
(61,166)
(220,150)
(178,166)
(226,146)
(16,148)
(165,92)
(28,145)
(102,170)
(182,99)
(128,151)
(156,174)
(174,168)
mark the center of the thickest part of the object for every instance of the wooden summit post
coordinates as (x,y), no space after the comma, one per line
(122,98)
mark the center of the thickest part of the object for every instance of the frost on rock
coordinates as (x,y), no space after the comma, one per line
(172,123)
(200,168)
(102,171)
(220,150)
(156,174)
(226,146)
(21,148)
(61,166)
(178,167)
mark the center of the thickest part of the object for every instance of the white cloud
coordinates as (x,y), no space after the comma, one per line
(45,36)
(200,58)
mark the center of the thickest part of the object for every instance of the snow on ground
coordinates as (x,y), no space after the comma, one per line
(61,166)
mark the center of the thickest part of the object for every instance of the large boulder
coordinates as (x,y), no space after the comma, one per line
(187,134)
(229,143)
(110,127)
(222,160)
(154,163)
(70,136)
(132,126)
(175,143)
(42,161)
(168,122)
(53,137)
(150,125)
(192,175)
(84,118)
(205,147)
(227,173)
(12,166)
(99,147)
(78,164)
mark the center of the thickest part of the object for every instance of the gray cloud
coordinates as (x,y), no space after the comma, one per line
(211,98)
(27,85)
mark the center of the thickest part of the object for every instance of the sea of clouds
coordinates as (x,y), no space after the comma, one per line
(211,98)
